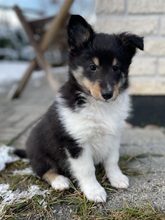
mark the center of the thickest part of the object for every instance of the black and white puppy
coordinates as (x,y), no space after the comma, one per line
(83,126)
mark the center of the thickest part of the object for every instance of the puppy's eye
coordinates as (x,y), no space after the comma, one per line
(93,67)
(116,68)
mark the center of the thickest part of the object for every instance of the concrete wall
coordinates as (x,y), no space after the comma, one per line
(145,18)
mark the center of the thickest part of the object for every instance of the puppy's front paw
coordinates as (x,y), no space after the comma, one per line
(95,193)
(119,181)
(60,183)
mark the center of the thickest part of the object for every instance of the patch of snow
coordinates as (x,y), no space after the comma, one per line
(7,156)
(43,203)
(26,171)
(12,71)
(4,188)
(26,160)
(35,190)
(9,197)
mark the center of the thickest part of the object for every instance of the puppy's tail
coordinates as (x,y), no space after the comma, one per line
(20,153)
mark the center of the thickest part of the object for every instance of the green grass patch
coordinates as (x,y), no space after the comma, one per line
(71,204)
(81,209)
(146,212)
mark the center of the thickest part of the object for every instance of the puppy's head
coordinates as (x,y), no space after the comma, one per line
(99,63)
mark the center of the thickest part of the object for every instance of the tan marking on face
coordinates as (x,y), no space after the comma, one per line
(96,91)
(114,62)
(93,88)
(82,81)
(88,86)
(78,74)
(115,92)
(50,176)
(122,81)
(96,61)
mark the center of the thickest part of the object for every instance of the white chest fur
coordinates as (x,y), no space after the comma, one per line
(97,124)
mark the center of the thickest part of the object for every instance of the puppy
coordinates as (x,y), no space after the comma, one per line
(83,126)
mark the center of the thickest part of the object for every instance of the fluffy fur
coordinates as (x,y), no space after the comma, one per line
(83,126)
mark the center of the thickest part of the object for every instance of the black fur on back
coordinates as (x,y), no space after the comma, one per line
(47,144)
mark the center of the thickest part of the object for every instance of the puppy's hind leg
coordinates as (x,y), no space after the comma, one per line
(58,182)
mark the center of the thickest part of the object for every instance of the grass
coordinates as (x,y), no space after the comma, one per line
(81,209)
(139,213)
(71,204)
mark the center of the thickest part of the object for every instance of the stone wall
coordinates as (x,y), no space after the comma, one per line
(145,18)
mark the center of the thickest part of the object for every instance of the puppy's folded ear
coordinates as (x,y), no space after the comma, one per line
(128,43)
(79,31)
(133,40)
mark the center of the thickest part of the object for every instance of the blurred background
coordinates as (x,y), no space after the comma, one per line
(14,44)
(142,17)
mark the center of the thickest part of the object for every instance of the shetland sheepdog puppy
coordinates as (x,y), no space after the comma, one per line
(83,126)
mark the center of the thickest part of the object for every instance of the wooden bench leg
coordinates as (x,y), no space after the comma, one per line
(47,39)
(22,83)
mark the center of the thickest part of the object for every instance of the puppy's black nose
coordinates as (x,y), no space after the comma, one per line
(107,94)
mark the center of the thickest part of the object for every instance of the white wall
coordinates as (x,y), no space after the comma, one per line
(145,18)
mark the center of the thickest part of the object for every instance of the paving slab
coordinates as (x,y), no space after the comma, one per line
(148,189)
(147,146)
(16,115)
